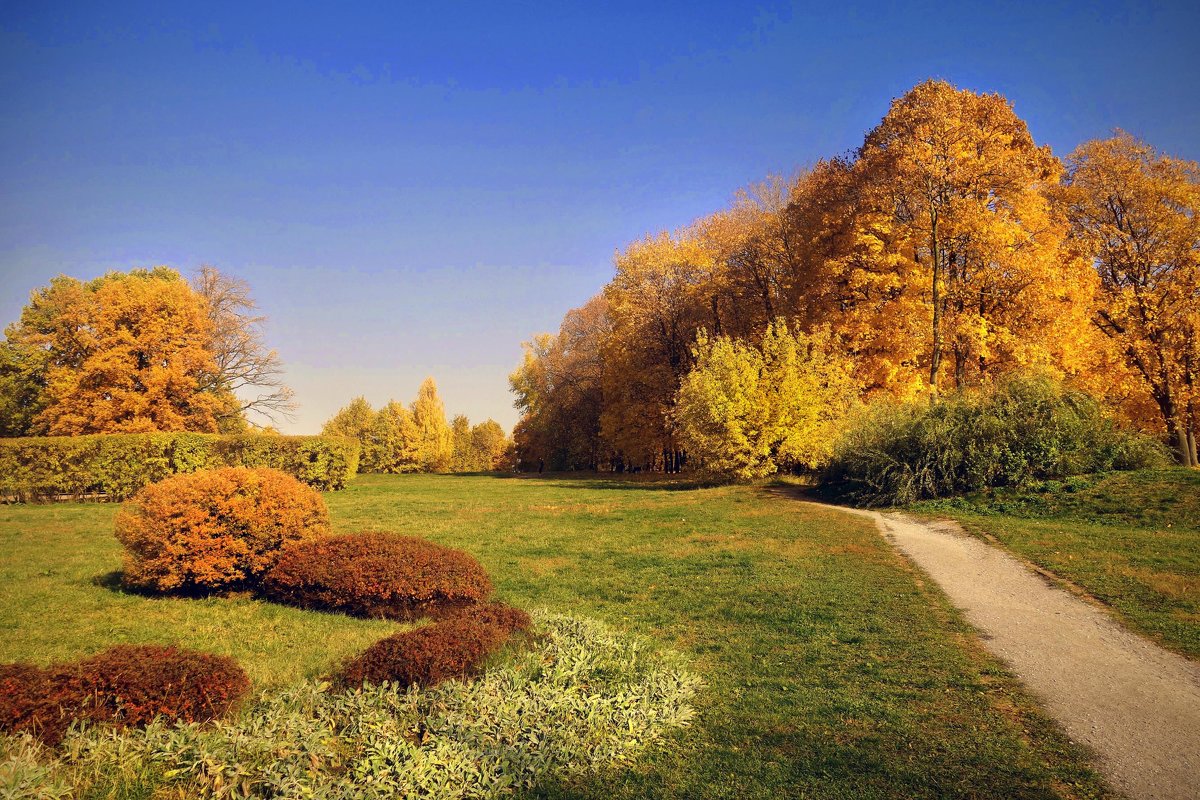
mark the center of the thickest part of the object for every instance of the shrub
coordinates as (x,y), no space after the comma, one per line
(454,647)
(116,466)
(376,575)
(123,685)
(218,529)
(1023,430)
(582,700)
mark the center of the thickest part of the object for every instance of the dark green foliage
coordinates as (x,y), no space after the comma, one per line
(117,465)
(1023,430)
(376,575)
(454,647)
(123,685)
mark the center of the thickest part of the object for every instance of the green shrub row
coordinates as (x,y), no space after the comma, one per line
(114,466)
(1020,431)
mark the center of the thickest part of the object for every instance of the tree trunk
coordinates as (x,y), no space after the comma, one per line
(935,361)
(1192,454)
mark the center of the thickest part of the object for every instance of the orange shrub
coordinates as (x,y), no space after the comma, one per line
(376,575)
(454,647)
(215,529)
(123,685)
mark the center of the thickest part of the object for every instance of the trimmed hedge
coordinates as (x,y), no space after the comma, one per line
(215,529)
(376,575)
(117,465)
(454,647)
(124,685)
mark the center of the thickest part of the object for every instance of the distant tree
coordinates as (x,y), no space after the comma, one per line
(355,421)
(393,444)
(490,447)
(436,445)
(559,389)
(124,353)
(245,367)
(462,457)
(1136,212)
(747,411)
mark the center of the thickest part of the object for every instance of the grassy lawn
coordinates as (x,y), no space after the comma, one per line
(833,670)
(1132,540)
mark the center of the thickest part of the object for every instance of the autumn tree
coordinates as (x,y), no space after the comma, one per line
(749,411)
(353,420)
(656,302)
(559,390)
(124,353)
(490,446)
(435,444)
(1136,213)
(462,458)
(393,442)
(245,367)
(962,190)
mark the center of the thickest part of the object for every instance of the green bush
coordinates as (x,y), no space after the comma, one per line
(1021,431)
(117,465)
(581,700)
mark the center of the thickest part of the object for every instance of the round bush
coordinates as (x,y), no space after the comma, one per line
(216,529)
(454,647)
(376,575)
(123,685)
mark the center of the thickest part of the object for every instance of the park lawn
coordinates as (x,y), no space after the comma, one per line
(833,669)
(1129,539)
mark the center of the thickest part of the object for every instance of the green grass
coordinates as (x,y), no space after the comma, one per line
(1130,539)
(833,670)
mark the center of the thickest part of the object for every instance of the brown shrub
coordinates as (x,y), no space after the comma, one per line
(216,529)
(454,647)
(376,575)
(123,685)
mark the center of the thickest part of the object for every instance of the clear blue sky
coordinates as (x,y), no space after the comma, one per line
(414,188)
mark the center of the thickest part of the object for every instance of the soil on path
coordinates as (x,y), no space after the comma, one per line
(1134,703)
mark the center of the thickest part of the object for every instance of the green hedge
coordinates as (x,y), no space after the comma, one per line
(117,465)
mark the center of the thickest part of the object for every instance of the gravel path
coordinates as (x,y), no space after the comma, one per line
(1136,704)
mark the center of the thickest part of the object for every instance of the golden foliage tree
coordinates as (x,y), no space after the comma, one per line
(656,303)
(1137,213)
(393,442)
(956,194)
(559,390)
(436,446)
(125,353)
(749,411)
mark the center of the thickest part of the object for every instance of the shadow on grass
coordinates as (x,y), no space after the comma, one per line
(114,582)
(646,481)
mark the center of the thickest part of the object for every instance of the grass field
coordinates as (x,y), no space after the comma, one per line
(1130,539)
(833,670)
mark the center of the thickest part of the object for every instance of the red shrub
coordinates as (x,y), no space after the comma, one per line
(123,685)
(376,575)
(453,647)
(215,529)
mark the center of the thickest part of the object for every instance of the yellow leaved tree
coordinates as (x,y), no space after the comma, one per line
(1136,213)
(749,411)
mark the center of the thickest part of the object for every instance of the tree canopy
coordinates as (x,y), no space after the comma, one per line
(946,252)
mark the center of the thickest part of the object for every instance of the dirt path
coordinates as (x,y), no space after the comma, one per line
(1136,704)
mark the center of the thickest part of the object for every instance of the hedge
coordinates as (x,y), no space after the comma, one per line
(114,466)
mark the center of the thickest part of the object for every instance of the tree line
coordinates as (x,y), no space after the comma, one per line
(947,251)
(417,437)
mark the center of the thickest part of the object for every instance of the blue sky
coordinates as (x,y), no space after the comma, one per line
(414,190)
